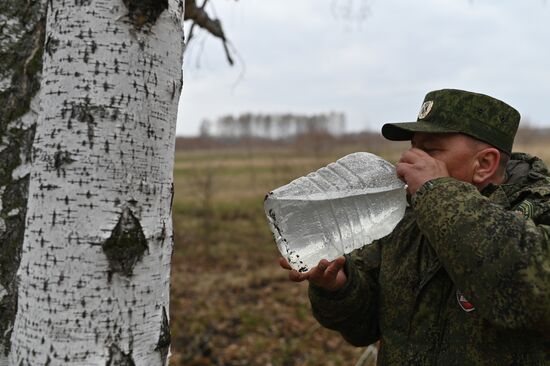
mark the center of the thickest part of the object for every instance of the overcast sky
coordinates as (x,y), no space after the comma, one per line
(305,56)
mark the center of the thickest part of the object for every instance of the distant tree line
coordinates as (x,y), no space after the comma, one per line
(274,126)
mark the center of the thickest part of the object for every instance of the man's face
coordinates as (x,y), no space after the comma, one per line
(457,151)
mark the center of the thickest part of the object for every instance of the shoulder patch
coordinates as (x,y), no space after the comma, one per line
(464,303)
(525,209)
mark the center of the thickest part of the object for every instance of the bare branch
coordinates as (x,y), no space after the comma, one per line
(200,17)
(190,35)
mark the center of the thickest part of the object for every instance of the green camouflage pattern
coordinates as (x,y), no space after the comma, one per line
(451,110)
(493,247)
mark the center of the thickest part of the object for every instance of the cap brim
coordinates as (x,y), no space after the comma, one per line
(404,131)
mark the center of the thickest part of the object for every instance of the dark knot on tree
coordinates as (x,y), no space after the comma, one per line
(163,344)
(118,358)
(143,12)
(126,245)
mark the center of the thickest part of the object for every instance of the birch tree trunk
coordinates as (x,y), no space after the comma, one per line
(93,278)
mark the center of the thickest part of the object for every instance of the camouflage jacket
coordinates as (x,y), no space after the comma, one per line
(464,279)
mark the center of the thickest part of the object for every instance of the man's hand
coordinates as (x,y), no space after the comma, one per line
(416,167)
(327,275)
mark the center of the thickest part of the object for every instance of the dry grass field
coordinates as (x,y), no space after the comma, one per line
(231,304)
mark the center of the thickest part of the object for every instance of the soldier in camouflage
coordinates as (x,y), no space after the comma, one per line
(464,279)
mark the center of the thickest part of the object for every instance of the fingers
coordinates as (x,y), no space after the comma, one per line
(284,263)
(322,266)
(409,160)
(296,276)
(413,155)
(332,270)
(293,275)
(324,273)
(416,167)
(401,169)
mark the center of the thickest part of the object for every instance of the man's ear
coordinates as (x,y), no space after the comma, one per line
(486,166)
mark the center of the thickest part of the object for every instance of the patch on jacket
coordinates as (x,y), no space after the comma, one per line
(524,210)
(464,303)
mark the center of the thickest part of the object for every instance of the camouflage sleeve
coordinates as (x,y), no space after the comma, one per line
(352,310)
(497,259)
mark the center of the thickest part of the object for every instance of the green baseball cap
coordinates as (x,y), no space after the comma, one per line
(457,111)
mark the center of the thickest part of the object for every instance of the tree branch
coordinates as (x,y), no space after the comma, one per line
(200,17)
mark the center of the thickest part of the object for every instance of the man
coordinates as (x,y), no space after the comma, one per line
(464,279)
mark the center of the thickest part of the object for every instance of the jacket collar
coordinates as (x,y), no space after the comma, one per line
(522,170)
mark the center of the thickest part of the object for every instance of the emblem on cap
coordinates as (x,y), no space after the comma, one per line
(425,109)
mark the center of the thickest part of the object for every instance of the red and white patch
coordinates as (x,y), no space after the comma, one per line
(464,303)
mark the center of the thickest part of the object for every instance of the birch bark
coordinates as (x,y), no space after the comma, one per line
(95,263)
(21,43)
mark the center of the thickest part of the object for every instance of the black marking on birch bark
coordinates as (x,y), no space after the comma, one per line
(162,235)
(118,358)
(82,2)
(51,45)
(163,344)
(83,112)
(86,57)
(48,187)
(60,160)
(126,245)
(142,12)
(114,116)
(171,196)
(146,90)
